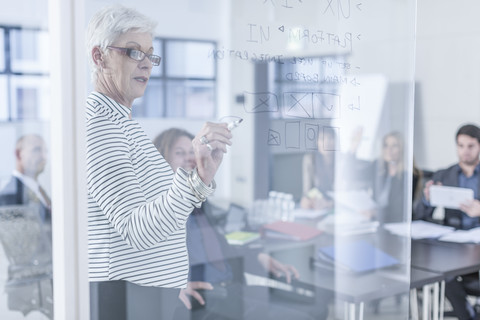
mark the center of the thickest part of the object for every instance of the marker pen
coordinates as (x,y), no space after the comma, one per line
(232,125)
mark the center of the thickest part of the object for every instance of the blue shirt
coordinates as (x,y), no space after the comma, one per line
(470,183)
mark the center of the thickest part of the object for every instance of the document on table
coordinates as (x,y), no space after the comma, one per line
(449,197)
(463,236)
(347,224)
(300,213)
(354,200)
(419,229)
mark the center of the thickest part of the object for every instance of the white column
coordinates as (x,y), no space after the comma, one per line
(66,27)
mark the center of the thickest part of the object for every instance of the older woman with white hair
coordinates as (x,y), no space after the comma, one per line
(137,206)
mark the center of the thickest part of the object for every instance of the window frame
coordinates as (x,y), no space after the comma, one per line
(166,80)
(10,74)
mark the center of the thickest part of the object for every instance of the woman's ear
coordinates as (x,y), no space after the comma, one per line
(97,56)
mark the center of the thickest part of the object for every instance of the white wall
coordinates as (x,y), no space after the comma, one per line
(29,13)
(448,77)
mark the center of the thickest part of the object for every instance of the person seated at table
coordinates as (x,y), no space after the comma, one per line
(464,174)
(389,179)
(385,178)
(26,230)
(318,170)
(320,166)
(215,286)
(417,178)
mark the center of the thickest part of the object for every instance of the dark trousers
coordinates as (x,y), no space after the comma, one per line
(112,300)
(121,300)
(457,289)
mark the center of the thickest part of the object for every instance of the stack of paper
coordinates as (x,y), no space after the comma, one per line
(419,229)
(295,289)
(347,224)
(290,230)
(399,228)
(354,200)
(463,236)
(300,213)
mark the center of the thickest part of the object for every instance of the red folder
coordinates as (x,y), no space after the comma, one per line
(290,230)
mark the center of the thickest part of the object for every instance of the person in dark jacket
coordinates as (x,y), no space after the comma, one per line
(464,174)
(25,230)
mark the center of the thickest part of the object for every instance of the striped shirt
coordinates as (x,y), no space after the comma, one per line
(137,206)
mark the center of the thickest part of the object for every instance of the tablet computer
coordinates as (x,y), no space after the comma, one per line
(449,197)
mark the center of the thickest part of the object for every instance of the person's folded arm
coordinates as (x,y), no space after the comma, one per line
(113,184)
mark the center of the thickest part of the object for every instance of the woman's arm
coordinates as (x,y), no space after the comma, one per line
(115,187)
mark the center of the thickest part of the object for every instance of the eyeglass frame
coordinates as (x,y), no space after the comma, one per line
(128,53)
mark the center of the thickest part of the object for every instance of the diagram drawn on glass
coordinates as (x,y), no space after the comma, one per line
(311,136)
(260,102)
(311,105)
(292,134)
(326,105)
(315,136)
(274,138)
(331,138)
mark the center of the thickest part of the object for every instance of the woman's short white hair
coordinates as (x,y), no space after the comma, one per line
(108,24)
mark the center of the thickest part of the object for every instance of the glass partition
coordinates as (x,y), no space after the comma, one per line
(184,82)
(187,59)
(26,273)
(319,172)
(327,93)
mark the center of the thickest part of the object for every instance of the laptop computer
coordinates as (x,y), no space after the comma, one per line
(236,218)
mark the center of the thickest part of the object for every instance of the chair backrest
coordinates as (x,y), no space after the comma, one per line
(24,237)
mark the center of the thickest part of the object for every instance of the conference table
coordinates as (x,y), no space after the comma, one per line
(432,262)
(433,286)
(447,259)
(352,288)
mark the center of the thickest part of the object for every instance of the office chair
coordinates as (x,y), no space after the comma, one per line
(472,288)
(27,245)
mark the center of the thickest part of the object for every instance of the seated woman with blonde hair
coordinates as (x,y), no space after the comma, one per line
(216,288)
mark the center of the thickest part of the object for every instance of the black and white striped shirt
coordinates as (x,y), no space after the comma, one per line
(137,206)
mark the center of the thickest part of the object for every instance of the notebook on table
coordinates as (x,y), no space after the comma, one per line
(358,257)
(290,231)
(241,237)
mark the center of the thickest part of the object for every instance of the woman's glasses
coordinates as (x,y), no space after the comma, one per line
(138,55)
